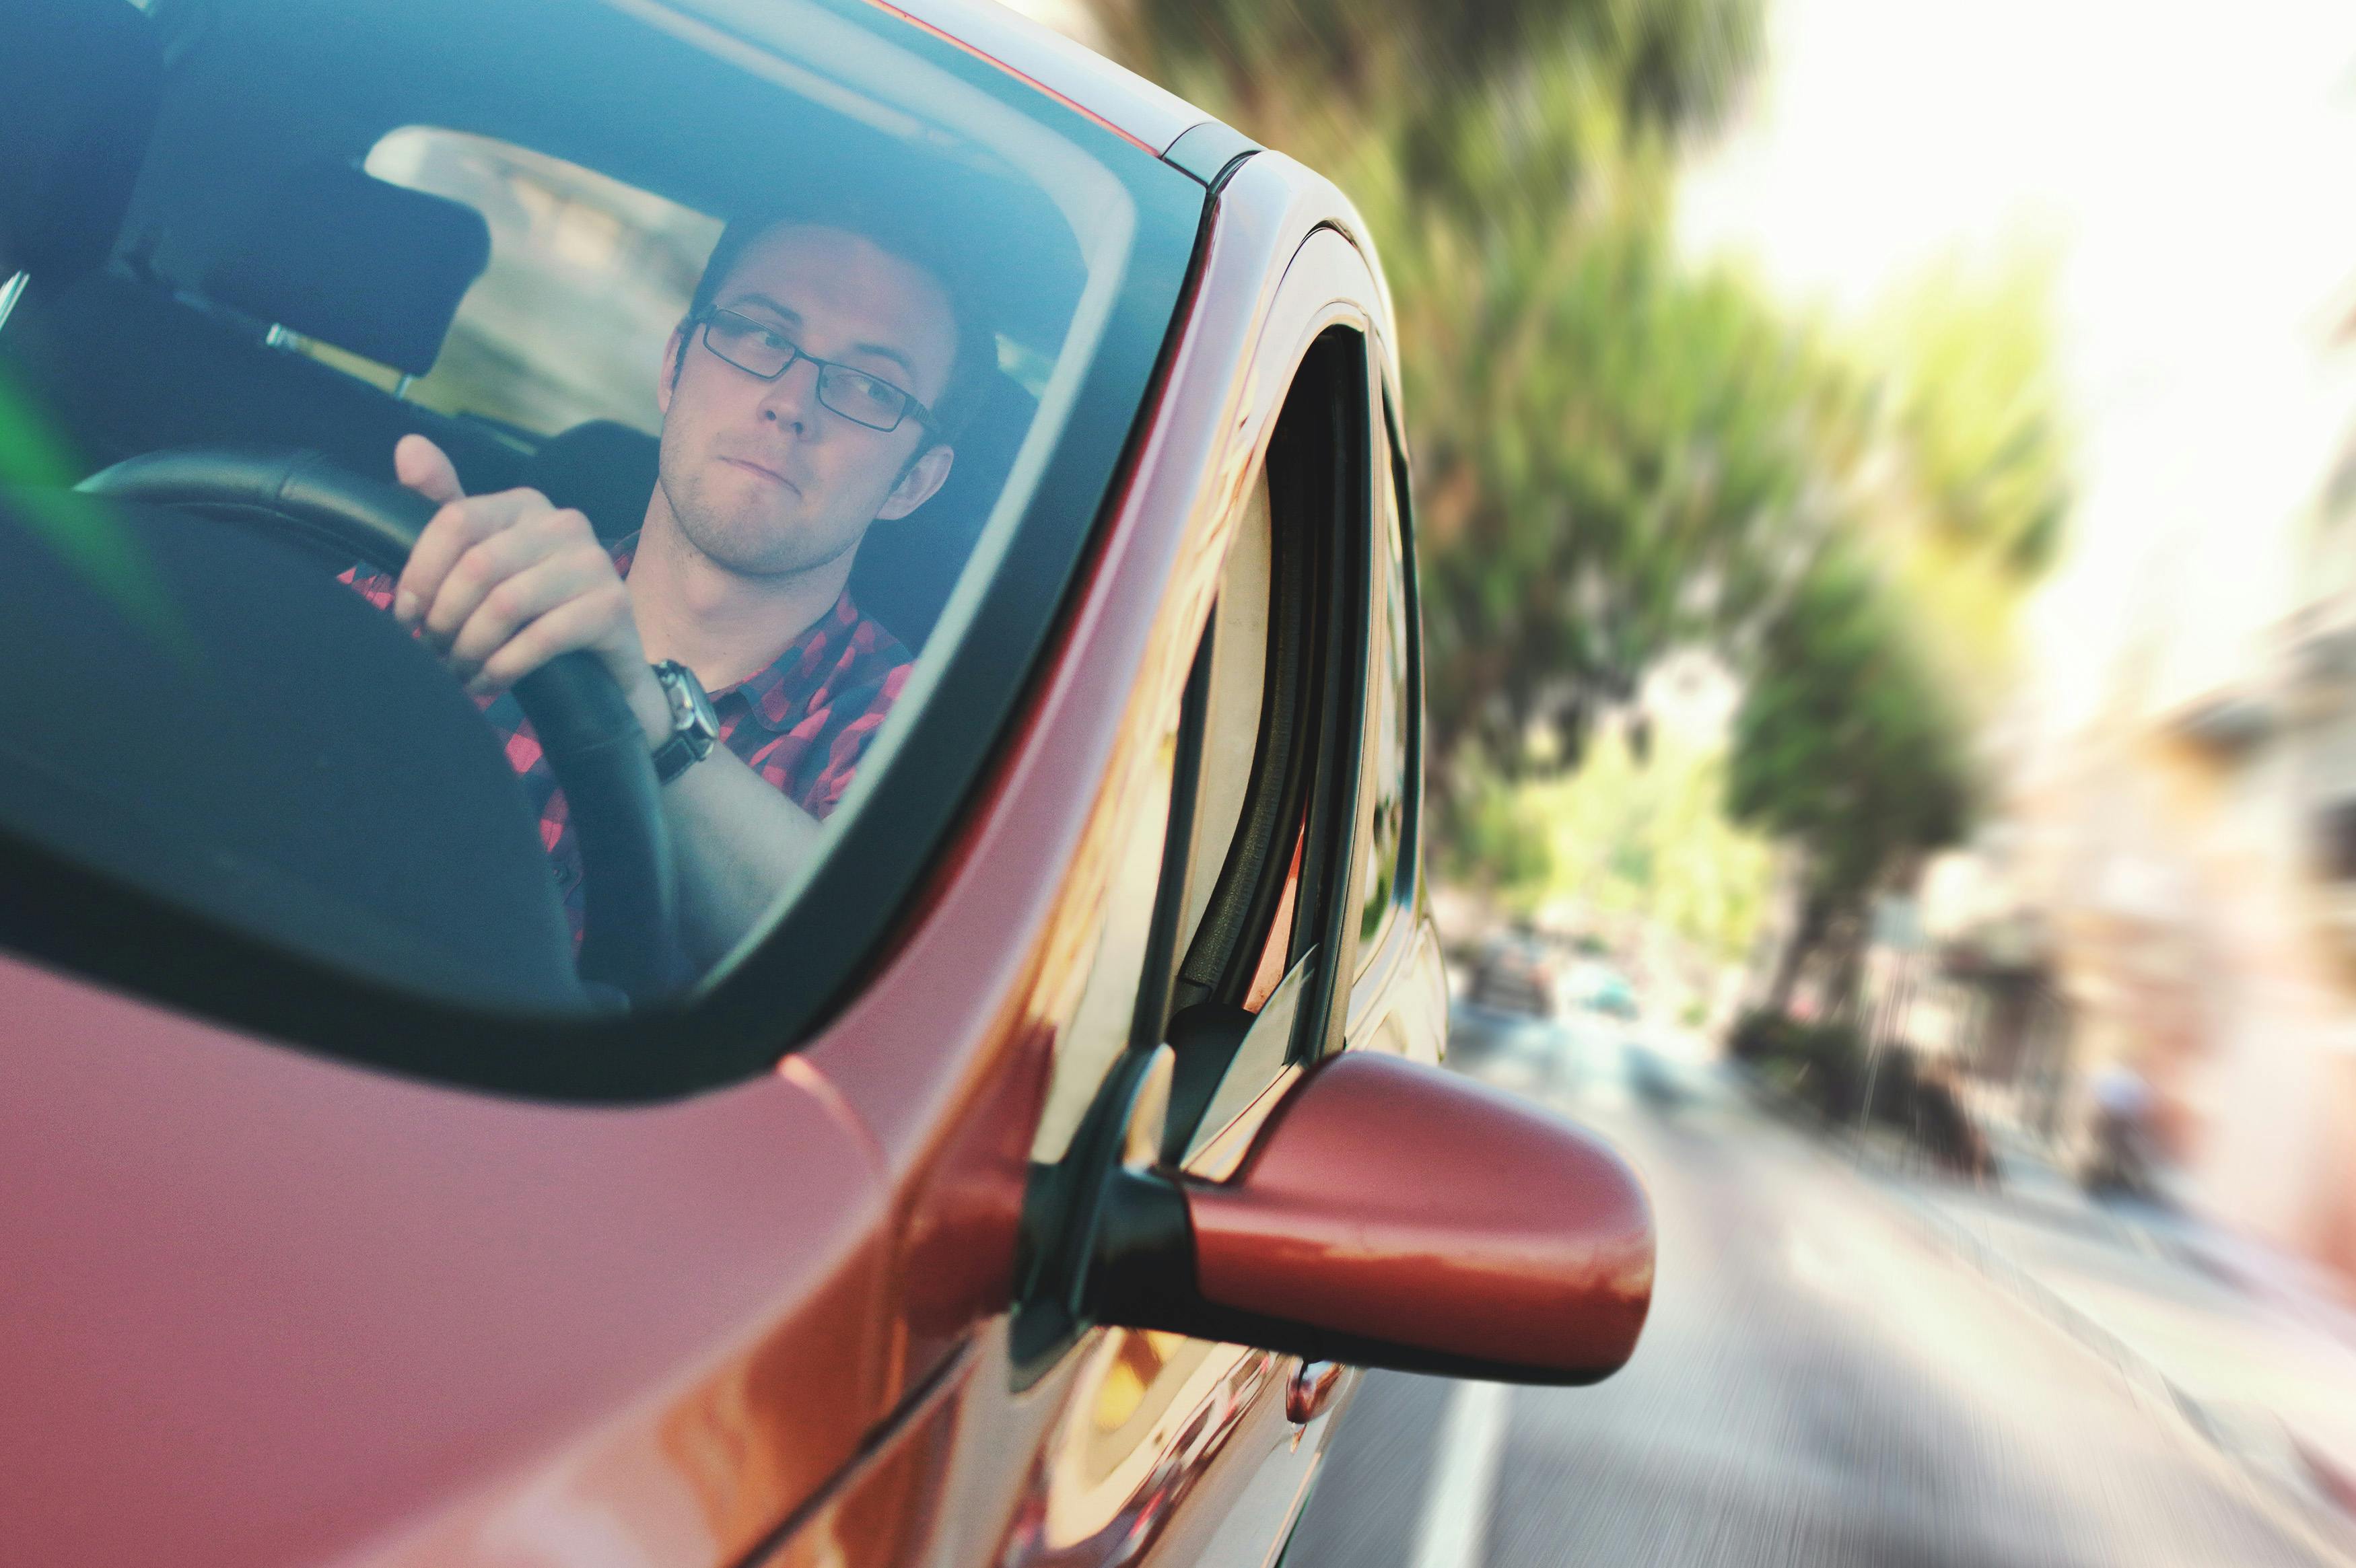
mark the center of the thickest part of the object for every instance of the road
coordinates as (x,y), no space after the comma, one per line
(1819,1385)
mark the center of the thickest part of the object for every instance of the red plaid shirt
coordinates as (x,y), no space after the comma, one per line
(802,722)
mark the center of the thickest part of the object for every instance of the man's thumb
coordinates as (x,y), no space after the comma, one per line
(424,468)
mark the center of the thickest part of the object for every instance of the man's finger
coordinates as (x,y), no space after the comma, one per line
(522,598)
(587,621)
(455,532)
(426,469)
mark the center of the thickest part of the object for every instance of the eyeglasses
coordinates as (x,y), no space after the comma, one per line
(764,351)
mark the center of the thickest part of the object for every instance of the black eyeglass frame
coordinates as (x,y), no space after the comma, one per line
(910,405)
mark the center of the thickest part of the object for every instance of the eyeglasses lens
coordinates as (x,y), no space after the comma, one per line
(761,351)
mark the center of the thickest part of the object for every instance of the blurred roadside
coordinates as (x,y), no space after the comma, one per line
(2249,1346)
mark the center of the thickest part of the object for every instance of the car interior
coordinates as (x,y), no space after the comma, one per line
(195,221)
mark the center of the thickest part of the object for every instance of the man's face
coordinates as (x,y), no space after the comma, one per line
(761,477)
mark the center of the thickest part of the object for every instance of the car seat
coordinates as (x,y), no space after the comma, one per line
(82,80)
(123,362)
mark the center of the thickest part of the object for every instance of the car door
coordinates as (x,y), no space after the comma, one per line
(1214,924)
(1173,1449)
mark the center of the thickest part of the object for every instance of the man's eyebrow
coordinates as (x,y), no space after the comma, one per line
(740,301)
(793,317)
(885,351)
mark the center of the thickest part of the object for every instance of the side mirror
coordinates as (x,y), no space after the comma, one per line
(1392,1215)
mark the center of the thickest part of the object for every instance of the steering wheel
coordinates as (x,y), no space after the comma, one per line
(591,740)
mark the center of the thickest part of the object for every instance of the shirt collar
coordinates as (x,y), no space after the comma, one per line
(765,691)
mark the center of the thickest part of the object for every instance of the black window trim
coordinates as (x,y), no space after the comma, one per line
(1320,477)
(1407,886)
(1324,916)
(1406,878)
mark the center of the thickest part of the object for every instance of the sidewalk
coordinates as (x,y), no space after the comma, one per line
(2246,1346)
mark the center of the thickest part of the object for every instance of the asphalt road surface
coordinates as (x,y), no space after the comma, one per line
(1819,1385)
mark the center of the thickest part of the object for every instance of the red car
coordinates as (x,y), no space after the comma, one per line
(1011,1186)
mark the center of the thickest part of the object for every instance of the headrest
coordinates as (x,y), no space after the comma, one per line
(602,469)
(907,566)
(81,80)
(343,257)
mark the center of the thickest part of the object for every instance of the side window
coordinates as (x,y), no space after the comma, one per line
(1244,953)
(1393,710)
(1225,904)
(1261,938)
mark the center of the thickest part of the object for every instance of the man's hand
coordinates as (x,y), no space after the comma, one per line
(503,584)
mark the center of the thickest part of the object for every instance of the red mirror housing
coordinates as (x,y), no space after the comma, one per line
(1396,1215)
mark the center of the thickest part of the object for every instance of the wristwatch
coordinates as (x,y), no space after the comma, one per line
(694,727)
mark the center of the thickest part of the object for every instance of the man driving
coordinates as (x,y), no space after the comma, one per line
(812,392)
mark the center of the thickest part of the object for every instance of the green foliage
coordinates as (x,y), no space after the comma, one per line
(1621,837)
(1617,458)
(1843,744)
(1430,77)
(1974,407)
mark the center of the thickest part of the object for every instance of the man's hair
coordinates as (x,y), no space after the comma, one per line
(976,360)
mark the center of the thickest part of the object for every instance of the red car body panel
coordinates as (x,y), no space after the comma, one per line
(300,1307)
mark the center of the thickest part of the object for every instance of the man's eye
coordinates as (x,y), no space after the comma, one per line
(872,392)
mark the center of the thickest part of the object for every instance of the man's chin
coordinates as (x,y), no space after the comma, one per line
(750,546)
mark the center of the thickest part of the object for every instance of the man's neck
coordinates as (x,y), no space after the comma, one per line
(721,624)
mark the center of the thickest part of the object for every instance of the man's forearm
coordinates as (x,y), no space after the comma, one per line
(738,845)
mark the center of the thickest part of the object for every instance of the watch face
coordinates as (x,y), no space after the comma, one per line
(692,716)
(707,717)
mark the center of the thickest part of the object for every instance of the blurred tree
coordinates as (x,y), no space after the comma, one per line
(1968,493)
(1973,404)
(1617,457)
(1627,835)
(1434,78)
(1618,454)
(1853,743)
(1847,748)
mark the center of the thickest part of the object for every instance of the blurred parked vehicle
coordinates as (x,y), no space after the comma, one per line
(2119,1159)
(1518,973)
(1600,989)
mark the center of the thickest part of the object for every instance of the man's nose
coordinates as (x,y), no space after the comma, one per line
(792,398)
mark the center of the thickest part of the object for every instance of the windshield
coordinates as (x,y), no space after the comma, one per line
(762,369)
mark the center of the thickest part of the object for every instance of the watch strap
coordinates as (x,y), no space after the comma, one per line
(675,756)
(695,728)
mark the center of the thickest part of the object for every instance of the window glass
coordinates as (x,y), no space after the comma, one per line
(587,277)
(1114,940)
(1390,716)
(1237,672)
(832,332)
(1216,765)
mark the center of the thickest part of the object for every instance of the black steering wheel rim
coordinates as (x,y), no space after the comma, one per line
(591,740)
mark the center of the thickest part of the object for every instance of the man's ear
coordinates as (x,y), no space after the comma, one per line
(667,377)
(917,485)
